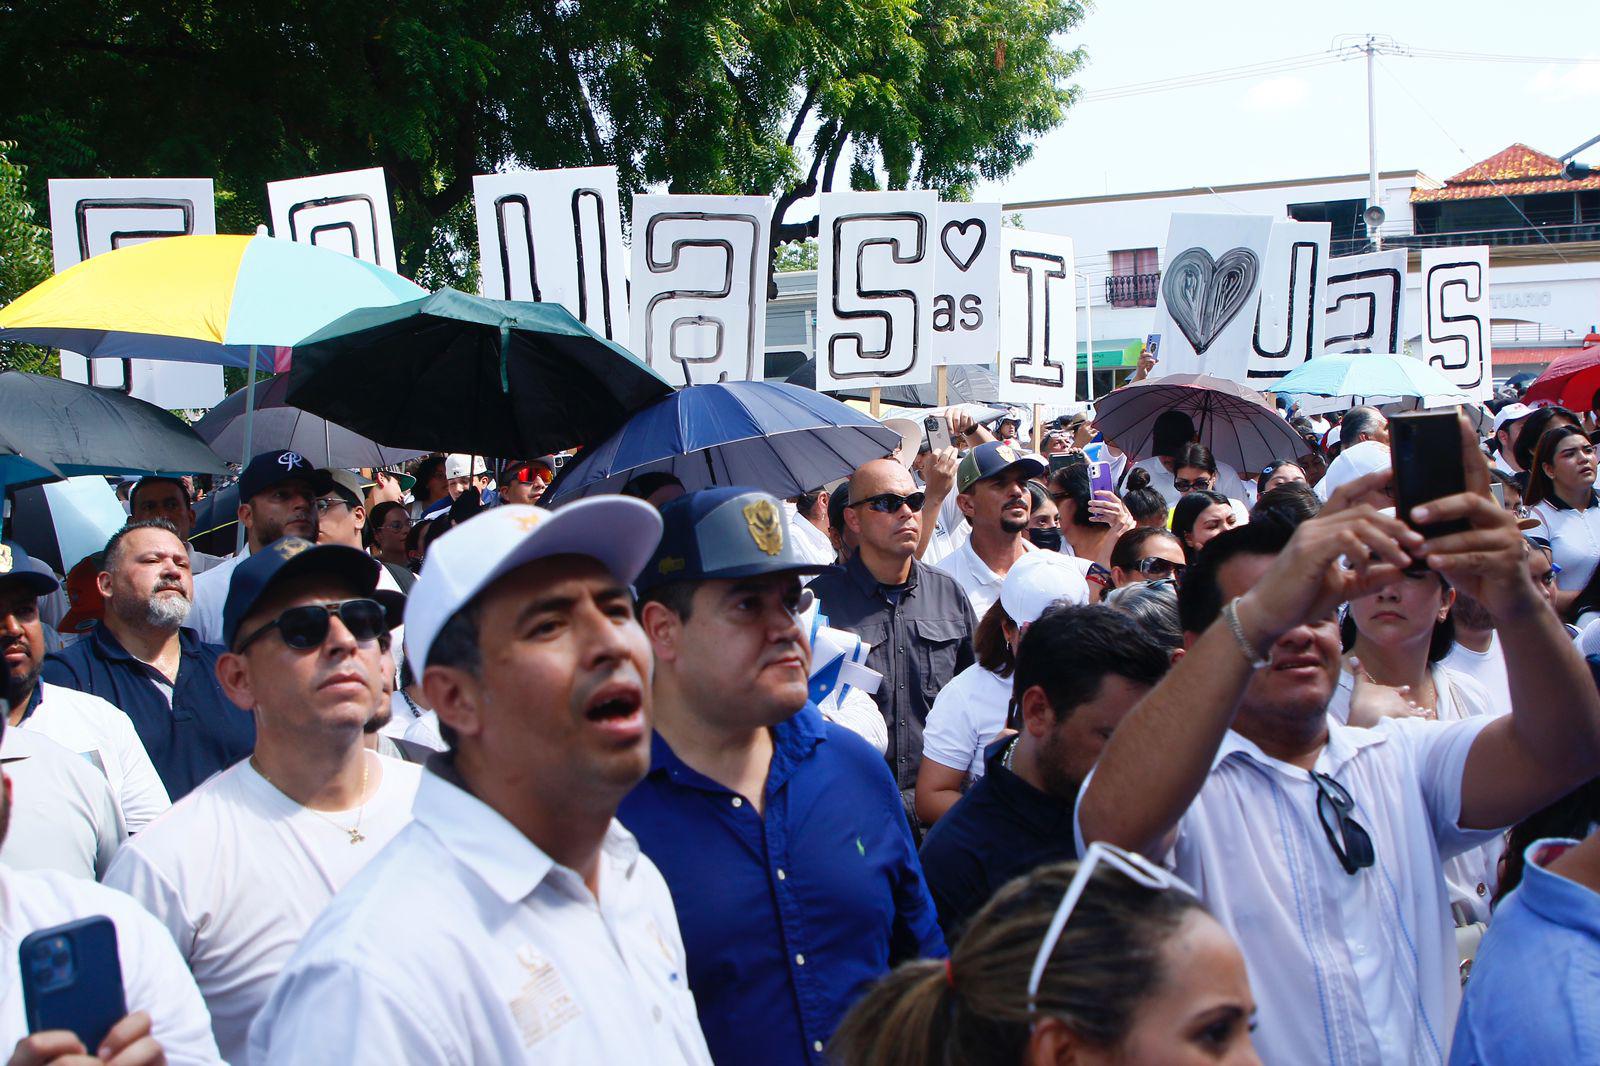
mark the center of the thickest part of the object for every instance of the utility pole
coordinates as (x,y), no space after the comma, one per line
(1372,143)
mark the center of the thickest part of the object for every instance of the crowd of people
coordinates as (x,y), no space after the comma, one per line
(975,755)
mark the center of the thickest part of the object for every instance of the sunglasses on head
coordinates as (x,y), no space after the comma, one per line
(305,628)
(1351,842)
(890,502)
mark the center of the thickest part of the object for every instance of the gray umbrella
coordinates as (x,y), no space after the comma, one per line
(279,426)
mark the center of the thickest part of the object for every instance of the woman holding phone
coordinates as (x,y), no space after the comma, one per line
(1561,496)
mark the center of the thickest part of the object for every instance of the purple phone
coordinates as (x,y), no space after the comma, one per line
(1100,479)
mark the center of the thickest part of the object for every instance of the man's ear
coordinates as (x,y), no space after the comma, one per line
(852,520)
(233,674)
(455,695)
(663,626)
(360,515)
(1038,717)
(102,581)
(965,504)
(245,514)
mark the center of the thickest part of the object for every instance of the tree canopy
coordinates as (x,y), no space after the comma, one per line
(775,97)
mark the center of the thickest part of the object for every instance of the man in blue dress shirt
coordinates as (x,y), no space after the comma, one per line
(780,834)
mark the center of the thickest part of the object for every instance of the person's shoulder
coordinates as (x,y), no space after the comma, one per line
(193,825)
(70,663)
(42,898)
(938,576)
(102,712)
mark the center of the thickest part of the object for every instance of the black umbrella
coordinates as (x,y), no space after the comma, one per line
(966,383)
(461,373)
(216,521)
(279,426)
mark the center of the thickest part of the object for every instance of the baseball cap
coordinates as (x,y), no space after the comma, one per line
(271,468)
(1036,581)
(991,458)
(459,465)
(1511,412)
(83,592)
(352,487)
(283,559)
(17,568)
(618,531)
(1358,460)
(724,533)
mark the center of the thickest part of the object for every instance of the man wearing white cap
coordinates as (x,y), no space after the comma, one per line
(534,928)
(1079,671)
(1356,461)
(1507,429)
(462,472)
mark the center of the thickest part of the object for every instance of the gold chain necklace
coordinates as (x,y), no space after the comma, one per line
(355,834)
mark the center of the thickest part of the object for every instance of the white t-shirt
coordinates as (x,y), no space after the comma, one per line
(237,872)
(812,543)
(969,712)
(1487,668)
(425,731)
(981,584)
(63,814)
(93,728)
(154,978)
(1161,479)
(210,595)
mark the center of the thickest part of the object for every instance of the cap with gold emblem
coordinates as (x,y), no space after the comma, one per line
(17,570)
(289,557)
(724,533)
(995,457)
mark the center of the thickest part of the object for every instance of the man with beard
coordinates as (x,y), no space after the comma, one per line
(992,487)
(146,664)
(238,869)
(81,722)
(278,494)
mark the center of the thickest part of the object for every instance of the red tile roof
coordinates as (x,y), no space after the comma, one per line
(1516,171)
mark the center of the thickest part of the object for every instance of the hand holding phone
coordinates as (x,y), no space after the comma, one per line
(1425,450)
(72,979)
(937,433)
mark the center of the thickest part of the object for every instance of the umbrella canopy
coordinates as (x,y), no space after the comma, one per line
(777,437)
(459,373)
(1234,422)
(203,299)
(965,383)
(216,522)
(61,523)
(50,428)
(1571,381)
(1368,376)
(279,426)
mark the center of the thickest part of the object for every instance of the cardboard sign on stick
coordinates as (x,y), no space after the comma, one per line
(1455,317)
(346,212)
(1038,319)
(1210,289)
(966,305)
(1365,303)
(1289,319)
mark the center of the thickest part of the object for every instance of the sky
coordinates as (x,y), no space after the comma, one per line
(1433,115)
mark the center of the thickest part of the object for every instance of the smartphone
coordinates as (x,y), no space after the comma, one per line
(1100,479)
(1498,491)
(1425,448)
(937,431)
(1062,460)
(72,979)
(1152,343)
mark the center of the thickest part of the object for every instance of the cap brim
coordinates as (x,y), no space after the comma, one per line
(333,560)
(31,580)
(734,573)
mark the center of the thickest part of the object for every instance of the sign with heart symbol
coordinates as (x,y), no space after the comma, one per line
(1210,290)
(966,314)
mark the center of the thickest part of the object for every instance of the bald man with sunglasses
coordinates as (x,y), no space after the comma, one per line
(238,869)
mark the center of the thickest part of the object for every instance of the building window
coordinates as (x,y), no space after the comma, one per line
(1134,278)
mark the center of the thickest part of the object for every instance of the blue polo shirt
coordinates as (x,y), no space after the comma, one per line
(201,733)
(1536,978)
(788,915)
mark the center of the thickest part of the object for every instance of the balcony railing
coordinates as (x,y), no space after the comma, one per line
(1511,235)
(1132,290)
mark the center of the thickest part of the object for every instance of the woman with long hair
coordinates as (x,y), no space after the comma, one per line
(1561,496)
(1105,961)
(1199,517)
(1534,427)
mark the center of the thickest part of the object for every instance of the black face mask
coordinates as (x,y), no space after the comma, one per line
(1048,539)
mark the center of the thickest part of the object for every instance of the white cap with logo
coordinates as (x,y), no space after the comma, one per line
(1038,580)
(459,465)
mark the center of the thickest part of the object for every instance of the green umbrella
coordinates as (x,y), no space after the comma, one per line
(460,373)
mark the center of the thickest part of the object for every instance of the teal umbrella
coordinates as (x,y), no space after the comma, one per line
(1368,377)
(460,373)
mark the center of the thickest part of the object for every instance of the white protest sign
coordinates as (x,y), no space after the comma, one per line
(93,215)
(346,212)
(1289,318)
(1038,319)
(699,286)
(1365,302)
(556,236)
(966,305)
(875,273)
(1210,288)
(1455,317)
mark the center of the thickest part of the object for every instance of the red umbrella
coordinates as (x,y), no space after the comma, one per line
(1570,381)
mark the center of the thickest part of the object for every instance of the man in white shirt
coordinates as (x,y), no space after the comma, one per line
(1477,652)
(534,929)
(992,488)
(66,815)
(82,723)
(1507,430)
(277,498)
(240,867)
(167,498)
(808,519)
(1319,846)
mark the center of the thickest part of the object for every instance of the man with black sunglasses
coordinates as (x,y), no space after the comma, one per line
(1320,846)
(240,867)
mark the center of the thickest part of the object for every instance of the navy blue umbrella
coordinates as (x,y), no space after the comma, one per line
(781,438)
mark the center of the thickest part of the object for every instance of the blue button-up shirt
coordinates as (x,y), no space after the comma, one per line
(200,733)
(787,915)
(1536,978)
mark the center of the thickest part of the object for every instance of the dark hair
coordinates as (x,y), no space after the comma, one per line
(806,502)
(1188,512)
(1200,595)
(973,1008)
(1071,648)
(113,546)
(1290,504)
(675,596)
(1038,495)
(425,469)
(1195,455)
(1541,486)
(1356,421)
(1533,429)
(1073,482)
(837,502)
(157,479)
(989,642)
(1171,431)
(1439,645)
(1153,606)
(1573,815)
(457,646)
(378,516)
(1143,502)
(1272,468)
(644,485)
(418,529)
(1129,549)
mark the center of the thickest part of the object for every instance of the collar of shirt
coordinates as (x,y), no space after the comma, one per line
(108,647)
(483,841)
(34,700)
(1342,744)
(793,741)
(1038,810)
(870,585)
(1562,505)
(1554,898)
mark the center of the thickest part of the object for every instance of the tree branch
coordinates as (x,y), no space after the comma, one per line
(806,103)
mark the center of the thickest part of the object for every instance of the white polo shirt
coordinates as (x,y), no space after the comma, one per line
(237,872)
(968,713)
(92,727)
(154,978)
(64,816)
(1346,969)
(1574,538)
(501,955)
(1228,482)
(981,584)
(210,595)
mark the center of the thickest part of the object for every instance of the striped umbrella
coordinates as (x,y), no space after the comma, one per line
(1234,422)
